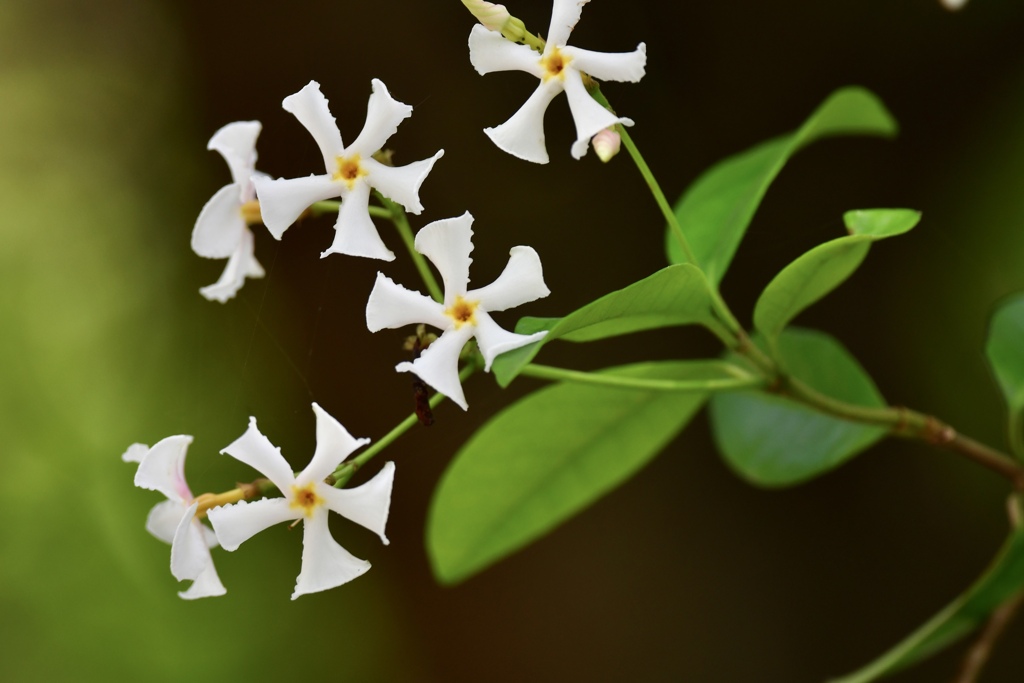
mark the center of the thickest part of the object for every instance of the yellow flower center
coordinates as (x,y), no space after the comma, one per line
(554,64)
(305,499)
(462,312)
(349,170)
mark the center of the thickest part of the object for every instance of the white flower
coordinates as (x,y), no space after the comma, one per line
(558,68)
(351,173)
(222,229)
(325,564)
(464,314)
(162,468)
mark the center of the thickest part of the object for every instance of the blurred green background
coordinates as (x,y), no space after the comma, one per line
(683,574)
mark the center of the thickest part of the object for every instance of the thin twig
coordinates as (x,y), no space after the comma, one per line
(980,652)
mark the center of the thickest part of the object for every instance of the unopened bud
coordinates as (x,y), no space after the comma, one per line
(490,15)
(606,144)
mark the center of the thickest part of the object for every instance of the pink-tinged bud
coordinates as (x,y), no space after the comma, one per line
(606,144)
(490,15)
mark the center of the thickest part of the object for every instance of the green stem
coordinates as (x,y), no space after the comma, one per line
(401,221)
(346,469)
(740,381)
(332,206)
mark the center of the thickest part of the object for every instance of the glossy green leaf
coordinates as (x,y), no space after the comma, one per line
(1005,351)
(1003,579)
(822,269)
(716,210)
(546,457)
(773,441)
(676,295)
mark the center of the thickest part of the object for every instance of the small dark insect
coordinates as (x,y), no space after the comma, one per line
(420,391)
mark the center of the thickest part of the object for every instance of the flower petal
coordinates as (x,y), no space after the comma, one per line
(354,231)
(447,243)
(521,281)
(135,452)
(310,107)
(494,341)
(333,445)
(236,523)
(325,564)
(383,114)
(438,365)
(523,135)
(189,554)
(241,265)
(220,224)
(256,451)
(163,469)
(368,504)
(401,183)
(489,51)
(564,15)
(392,305)
(589,116)
(282,201)
(206,585)
(610,66)
(163,519)
(236,142)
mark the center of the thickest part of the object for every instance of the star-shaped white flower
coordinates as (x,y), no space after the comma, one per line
(325,564)
(351,173)
(464,314)
(558,68)
(222,229)
(162,468)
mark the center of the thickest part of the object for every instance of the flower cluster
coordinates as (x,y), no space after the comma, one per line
(358,173)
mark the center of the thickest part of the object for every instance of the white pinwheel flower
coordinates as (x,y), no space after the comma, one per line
(222,229)
(351,173)
(325,564)
(558,68)
(464,314)
(162,468)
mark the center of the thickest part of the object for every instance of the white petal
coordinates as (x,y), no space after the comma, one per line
(241,265)
(283,200)
(392,305)
(135,452)
(610,66)
(448,243)
(236,142)
(238,522)
(220,224)
(310,107)
(163,469)
(523,135)
(162,521)
(489,51)
(256,451)
(401,183)
(494,341)
(189,554)
(438,365)
(564,15)
(333,445)
(520,282)
(354,231)
(325,564)
(589,116)
(383,114)
(206,585)
(368,504)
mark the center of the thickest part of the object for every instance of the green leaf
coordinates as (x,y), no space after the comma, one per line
(1001,581)
(545,458)
(1005,351)
(822,269)
(774,441)
(716,210)
(676,295)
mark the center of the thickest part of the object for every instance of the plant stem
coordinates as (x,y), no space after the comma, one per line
(401,221)
(332,206)
(741,380)
(977,657)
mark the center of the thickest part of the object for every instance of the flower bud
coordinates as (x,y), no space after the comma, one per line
(606,144)
(493,17)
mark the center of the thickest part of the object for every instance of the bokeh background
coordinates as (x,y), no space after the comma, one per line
(685,573)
